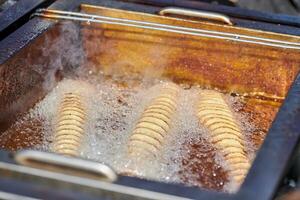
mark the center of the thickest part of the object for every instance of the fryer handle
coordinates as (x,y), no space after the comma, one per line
(195,13)
(65,165)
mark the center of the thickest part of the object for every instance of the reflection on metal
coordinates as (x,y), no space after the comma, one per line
(83,17)
(195,13)
(82,184)
(6,195)
(66,165)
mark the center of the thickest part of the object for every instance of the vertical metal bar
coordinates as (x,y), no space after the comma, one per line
(273,158)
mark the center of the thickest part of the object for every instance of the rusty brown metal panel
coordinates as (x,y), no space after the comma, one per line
(229,66)
(24,78)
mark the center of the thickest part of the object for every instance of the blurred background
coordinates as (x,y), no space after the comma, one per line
(291,7)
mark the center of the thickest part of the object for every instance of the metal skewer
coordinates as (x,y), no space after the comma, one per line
(83,17)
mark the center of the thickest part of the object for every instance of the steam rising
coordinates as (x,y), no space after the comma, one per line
(115,102)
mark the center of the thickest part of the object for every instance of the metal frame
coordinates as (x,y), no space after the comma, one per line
(262,181)
(82,17)
(238,13)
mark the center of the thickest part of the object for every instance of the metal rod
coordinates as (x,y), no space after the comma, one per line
(67,15)
(165,26)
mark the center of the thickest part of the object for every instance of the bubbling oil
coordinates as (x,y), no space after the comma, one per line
(114,105)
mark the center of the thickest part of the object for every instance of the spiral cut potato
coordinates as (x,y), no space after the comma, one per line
(69,129)
(150,130)
(214,113)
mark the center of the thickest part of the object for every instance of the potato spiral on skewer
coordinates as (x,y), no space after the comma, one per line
(70,126)
(149,132)
(214,113)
